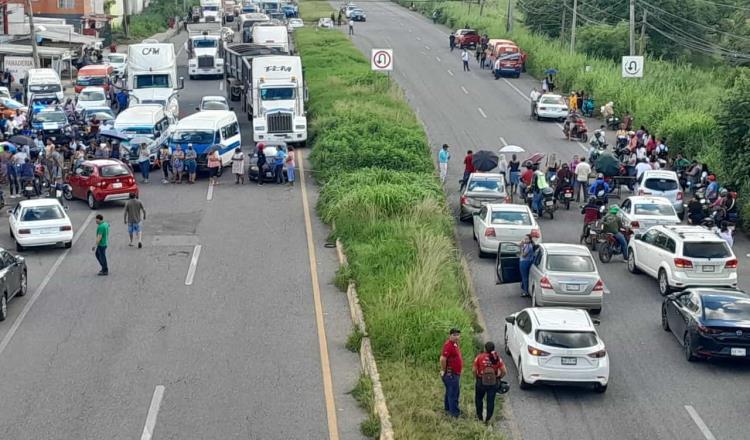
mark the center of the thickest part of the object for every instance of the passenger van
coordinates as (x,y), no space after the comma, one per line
(206,129)
(147,123)
(42,82)
(97,75)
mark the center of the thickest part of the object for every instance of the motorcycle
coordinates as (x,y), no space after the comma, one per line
(548,202)
(593,232)
(588,107)
(28,189)
(565,194)
(580,131)
(611,247)
(613,122)
(598,140)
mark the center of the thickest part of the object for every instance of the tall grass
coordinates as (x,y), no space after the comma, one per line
(379,187)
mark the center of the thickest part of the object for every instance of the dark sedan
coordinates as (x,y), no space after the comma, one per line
(709,322)
(358,15)
(13,280)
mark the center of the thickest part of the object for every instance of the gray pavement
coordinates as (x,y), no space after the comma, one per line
(237,351)
(652,386)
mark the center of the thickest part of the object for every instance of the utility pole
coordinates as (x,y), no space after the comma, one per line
(481,7)
(125,12)
(562,24)
(509,26)
(642,48)
(32,32)
(632,27)
(573,27)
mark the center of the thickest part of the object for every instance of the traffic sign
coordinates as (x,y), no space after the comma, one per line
(382,59)
(632,67)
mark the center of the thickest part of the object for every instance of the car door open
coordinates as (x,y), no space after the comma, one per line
(506,263)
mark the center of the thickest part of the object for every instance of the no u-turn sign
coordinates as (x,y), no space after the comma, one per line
(381,59)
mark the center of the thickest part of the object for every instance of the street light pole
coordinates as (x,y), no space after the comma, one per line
(32,32)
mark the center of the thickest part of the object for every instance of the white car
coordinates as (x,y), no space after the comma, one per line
(325,22)
(4,92)
(662,183)
(550,106)
(642,212)
(213,103)
(349,8)
(495,223)
(91,97)
(40,222)
(555,345)
(295,23)
(118,61)
(683,256)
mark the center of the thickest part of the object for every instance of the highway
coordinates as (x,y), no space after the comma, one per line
(236,352)
(653,393)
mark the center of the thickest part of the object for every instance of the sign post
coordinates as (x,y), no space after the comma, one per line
(381,60)
(632,67)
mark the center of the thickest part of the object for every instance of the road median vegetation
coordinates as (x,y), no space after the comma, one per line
(378,186)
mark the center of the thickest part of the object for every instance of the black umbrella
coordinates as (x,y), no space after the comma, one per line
(21,140)
(607,164)
(113,134)
(484,160)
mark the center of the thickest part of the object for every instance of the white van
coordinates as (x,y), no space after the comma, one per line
(205,129)
(147,123)
(271,35)
(42,82)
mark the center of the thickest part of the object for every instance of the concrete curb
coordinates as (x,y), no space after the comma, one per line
(366,357)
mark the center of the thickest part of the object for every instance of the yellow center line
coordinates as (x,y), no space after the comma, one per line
(325,363)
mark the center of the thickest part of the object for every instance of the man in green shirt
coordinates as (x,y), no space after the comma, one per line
(102,240)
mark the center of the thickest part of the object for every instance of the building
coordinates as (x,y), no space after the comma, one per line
(80,13)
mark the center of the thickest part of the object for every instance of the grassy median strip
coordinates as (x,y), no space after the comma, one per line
(373,161)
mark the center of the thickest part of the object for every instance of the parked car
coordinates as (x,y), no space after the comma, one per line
(102,180)
(13,280)
(91,97)
(495,223)
(270,149)
(481,189)
(709,322)
(357,15)
(9,107)
(550,106)
(325,22)
(52,122)
(683,256)
(641,212)
(295,23)
(213,103)
(40,222)
(556,345)
(118,61)
(665,184)
(349,8)
(467,38)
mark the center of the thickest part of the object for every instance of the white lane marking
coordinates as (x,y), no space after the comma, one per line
(698,421)
(517,90)
(153,412)
(449,72)
(427,47)
(221,84)
(193,265)
(179,52)
(418,38)
(210,193)
(423,53)
(503,141)
(463,89)
(481,112)
(38,292)
(438,59)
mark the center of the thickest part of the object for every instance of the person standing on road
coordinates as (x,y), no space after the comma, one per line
(290,165)
(534,97)
(514,169)
(468,169)
(452,41)
(351,26)
(102,241)
(214,164)
(582,172)
(238,164)
(465,59)
(451,364)
(144,161)
(524,263)
(443,158)
(134,214)
(165,162)
(12,171)
(278,165)
(262,163)
(178,163)
(190,163)
(488,369)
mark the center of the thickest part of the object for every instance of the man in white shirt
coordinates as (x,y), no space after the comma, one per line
(534,96)
(582,171)
(641,153)
(641,167)
(465,59)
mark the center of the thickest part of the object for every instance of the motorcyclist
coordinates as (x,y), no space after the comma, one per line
(598,186)
(26,173)
(526,179)
(539,184)
(600,137)
(720,200)
(591,213)
(569,127)
(613,224)
(695,211)
(712,190)
(564,179)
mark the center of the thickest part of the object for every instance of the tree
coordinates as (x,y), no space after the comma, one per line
(733,121)
(604,40)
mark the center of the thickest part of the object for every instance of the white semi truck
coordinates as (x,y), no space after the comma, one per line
(152,75)
(204,49)
(210,11)
(278,99)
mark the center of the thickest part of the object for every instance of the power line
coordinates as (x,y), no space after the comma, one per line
(697,40)
(656,8)
(698,45)
(724,5)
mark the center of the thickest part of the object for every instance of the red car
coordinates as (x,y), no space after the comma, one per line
(101,180)
(467,38)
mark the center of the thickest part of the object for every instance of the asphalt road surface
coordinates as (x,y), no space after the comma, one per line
(234,355)
(653,393)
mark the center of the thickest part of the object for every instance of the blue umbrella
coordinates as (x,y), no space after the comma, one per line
(550,72)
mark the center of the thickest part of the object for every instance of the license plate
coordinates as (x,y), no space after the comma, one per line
(58,193)
(269,174)
(568,195)
(739,351)
(573,287)
(709,268)
(117,185)
(549,202)
(568,361)
(48,230)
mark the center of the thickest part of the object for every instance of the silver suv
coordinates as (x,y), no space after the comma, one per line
(665,184)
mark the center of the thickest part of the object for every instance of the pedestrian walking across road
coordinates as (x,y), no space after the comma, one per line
(102,241)
(465,59)
(451,365)
(134,215)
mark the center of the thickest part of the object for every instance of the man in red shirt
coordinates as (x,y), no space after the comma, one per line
(526,178)
(468,168)
(488,370)
(450,370)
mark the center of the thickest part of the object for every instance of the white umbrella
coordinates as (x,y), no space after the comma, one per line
(511,149)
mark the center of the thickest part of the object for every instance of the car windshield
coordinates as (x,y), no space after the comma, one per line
(117,59)
(511,218)
(654,209)
(277,94)
(90,80)
(45,88)
(58,117)
(563,339)
(660,184)
(210,8)
(710,249)
(193,137)
(151,81)
(726,308)
(557,100)
(570,263)
(486,185)
(215,105)
(114,171)
(91,96)
(204,43)
(40,213)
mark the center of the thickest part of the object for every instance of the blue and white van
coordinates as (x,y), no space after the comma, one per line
(206,129)
(148,123)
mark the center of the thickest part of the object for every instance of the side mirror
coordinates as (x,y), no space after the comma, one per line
(638,236)
(9,211)
(510,319)
(181,82)
(19,259)
(197,108)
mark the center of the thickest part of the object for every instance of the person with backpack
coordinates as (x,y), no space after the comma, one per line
(488,370)
(451,364)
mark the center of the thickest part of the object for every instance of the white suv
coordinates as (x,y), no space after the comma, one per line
(683,256)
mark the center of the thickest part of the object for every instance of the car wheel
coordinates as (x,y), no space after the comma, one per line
(664,288)
(19,247)
(3,307)
(474,234)
(93,204)
(632,267)
(522,384)
(538,118)
(596,311)
(68,245)
(505,338)
(599,388)
(688,349)
(481,253)
(664,320)
(24,284)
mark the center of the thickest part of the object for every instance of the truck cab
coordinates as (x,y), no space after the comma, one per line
(42,81)
(152,74)
(204,50)
(210,11)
